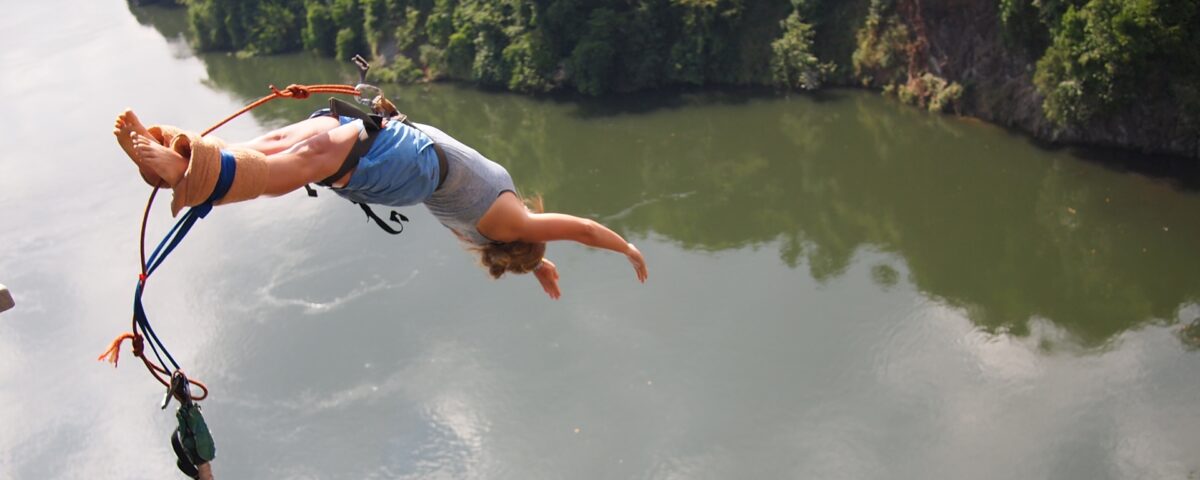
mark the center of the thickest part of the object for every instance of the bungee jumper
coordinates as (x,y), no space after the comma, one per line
(386,160)
(382,158)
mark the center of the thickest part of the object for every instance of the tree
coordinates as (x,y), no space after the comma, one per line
(320,33)
(792,61)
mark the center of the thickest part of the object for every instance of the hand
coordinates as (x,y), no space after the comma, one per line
(547,275)
(639,263)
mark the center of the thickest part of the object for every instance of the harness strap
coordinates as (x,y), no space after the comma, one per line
(396,217)
(373,125)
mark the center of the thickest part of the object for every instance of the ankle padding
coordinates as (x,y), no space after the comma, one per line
(165,135)
(204,169)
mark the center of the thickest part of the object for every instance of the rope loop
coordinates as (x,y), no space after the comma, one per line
(160,373)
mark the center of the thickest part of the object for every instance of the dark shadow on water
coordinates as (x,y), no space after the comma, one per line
(1180,172)
(674,98)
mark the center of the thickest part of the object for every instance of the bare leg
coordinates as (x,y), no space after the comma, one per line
(311,160)
(284,138)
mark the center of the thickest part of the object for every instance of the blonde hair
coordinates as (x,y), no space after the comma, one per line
(513,257)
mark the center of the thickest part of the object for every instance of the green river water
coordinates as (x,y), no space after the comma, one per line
(840,287)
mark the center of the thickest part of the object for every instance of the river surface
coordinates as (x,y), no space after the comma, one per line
(840,287)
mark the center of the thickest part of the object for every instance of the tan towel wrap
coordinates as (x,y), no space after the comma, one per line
(204,168)
(165,135)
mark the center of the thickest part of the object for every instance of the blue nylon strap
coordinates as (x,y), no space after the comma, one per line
(139,314)
(181,228)
(228,171)
(168,243)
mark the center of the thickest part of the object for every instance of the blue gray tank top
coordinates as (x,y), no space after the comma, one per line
(401,168)
(471,187)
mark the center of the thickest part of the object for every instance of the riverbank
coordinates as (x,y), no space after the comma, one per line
(969,47)
(1096,73)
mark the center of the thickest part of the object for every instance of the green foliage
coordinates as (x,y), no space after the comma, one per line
(1022,24)
(376,21)
(264,26)
(792,61)
(1097,57)
(590,64)
(529,63)
(487,67)
(349,43)
(434,60)
(276,29)
(407,29)
(929,91)
(880,57)
(320,33)
(591,46)
(347,14)
(205,21)
(1108,53)
(459,56)
(439,26)
(400,70)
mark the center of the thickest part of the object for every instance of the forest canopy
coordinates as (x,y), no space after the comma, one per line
(1090,57)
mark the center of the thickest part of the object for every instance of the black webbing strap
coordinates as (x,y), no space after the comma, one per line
(396,217)
(181,457)
(371,123)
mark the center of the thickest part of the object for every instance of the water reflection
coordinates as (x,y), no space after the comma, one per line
(984,221)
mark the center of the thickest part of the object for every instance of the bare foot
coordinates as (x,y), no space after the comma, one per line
(162,161)
(124,127)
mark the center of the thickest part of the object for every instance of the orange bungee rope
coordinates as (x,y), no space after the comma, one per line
(159,371)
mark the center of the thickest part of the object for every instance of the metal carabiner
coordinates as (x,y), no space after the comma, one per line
(367,94)
(179,387)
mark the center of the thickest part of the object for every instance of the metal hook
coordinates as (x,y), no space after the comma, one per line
(366,92)
(363,66)
(180,387)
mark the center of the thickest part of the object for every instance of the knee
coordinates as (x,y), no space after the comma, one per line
(317,156)
(276,137)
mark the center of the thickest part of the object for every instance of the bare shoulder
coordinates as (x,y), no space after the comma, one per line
(505,219)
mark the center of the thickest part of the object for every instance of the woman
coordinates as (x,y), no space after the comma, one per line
(403,164)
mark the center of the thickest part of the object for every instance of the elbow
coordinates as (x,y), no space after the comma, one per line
(589,232)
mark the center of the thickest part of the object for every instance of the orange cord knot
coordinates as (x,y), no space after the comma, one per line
(114,349)
(299,92)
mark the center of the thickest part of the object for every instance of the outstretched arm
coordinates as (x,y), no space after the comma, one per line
(508,221)
(546,227)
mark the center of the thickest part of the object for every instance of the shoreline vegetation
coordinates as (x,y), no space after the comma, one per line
(1109,73)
